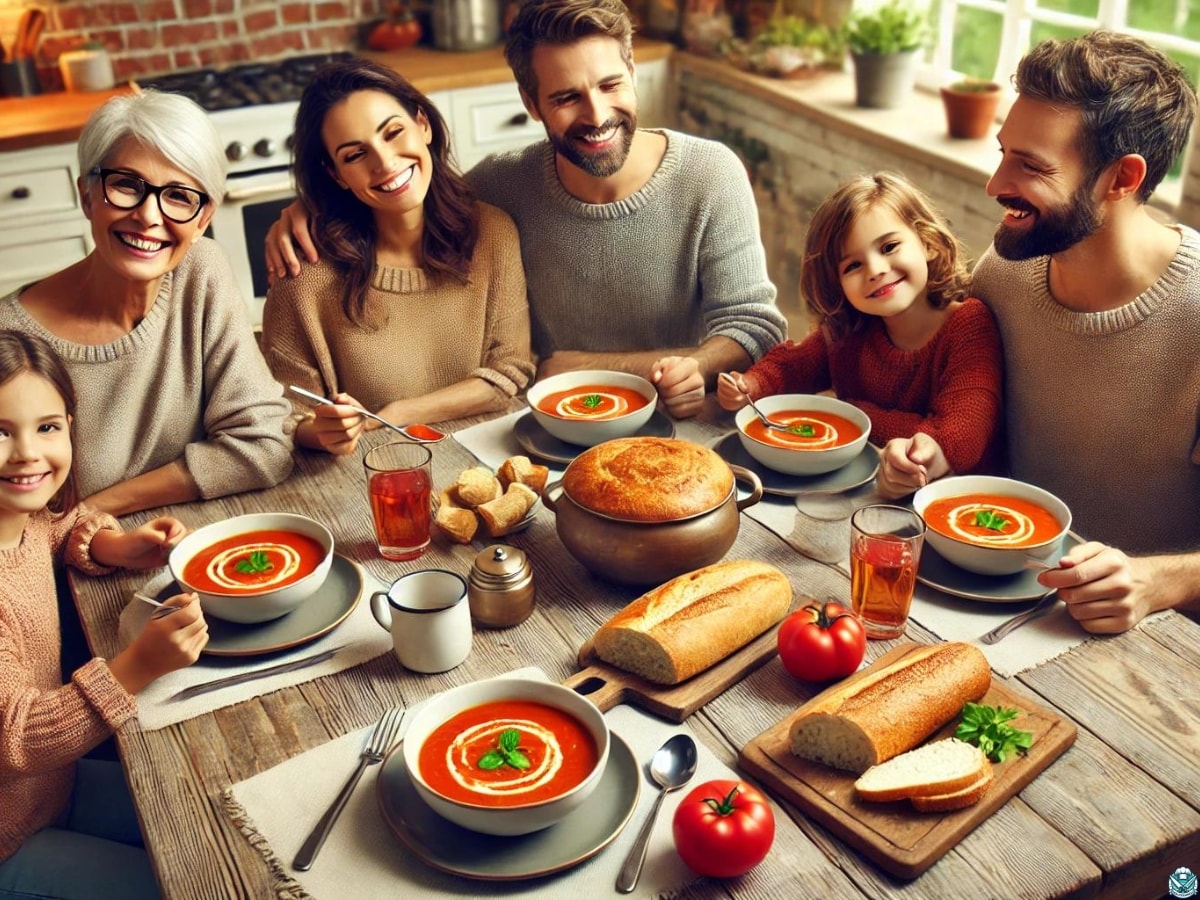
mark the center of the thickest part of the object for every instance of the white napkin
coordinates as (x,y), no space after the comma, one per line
(361,850)
(360,638)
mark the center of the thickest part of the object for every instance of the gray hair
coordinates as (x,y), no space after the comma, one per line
(169,123)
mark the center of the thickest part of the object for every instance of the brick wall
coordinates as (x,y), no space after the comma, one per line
(153,37)
(794,162)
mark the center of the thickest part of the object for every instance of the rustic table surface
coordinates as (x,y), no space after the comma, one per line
(1114,816)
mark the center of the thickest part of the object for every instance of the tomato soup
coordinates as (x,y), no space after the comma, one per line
(507,753)
(592,401)
(992,520)
(808,429)
(254,561)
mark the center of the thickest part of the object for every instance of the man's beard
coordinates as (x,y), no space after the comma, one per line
(1055,230)
(608,162)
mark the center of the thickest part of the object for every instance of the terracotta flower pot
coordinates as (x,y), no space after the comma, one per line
(970,112)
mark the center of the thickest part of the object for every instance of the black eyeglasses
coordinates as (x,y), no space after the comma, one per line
(126,191)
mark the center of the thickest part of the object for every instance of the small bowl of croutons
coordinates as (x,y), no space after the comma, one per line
(501,502)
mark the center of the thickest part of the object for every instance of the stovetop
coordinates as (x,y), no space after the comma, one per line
(252,84)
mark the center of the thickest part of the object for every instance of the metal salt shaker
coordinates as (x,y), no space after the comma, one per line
(500,587)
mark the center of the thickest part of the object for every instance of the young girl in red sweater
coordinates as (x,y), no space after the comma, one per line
(897,335)
(66,833)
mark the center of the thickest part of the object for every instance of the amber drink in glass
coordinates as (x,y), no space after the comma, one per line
(885,550)
(400,485)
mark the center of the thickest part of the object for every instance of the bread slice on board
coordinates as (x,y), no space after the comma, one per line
(934,770)
(968,796)
(891,710)
(694,621)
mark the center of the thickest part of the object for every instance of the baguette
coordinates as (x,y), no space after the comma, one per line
(933,770)
(682,627)
(891,709)
(459,525)
(520,470)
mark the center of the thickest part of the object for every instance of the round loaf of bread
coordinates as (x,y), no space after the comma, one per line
(648,479)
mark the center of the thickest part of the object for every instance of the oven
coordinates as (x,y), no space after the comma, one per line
(253,108)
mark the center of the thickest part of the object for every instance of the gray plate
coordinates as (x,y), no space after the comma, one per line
(445,846)
(854,474)
(537,441)
(938,572)
(318,615)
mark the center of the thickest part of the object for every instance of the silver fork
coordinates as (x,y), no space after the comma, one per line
(1046,603)
(382,740)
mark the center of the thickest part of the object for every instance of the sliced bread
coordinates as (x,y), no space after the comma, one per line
(936,769)
(968,796)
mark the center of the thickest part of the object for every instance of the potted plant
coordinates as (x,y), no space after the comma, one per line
(970,107)
(884,43)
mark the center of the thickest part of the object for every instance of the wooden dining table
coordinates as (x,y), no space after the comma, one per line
(1114,816)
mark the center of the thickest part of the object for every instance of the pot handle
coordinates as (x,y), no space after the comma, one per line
(756,491)
(550,494)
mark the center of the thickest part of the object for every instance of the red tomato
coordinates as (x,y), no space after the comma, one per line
(723,828)
(395,34)
(822,641)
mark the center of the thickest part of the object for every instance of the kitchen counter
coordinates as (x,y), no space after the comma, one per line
(58,118)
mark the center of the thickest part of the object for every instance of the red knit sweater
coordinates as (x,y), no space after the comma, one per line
(951,388)
(45,725)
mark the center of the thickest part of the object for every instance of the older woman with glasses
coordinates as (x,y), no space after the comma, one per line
(175,401)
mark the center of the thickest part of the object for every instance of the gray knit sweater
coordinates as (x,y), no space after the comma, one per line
(187,382)
(1102,408)
(675,263)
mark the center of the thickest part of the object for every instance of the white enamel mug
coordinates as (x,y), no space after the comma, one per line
(429,619)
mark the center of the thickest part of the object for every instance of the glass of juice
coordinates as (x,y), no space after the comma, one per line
(400,485)
(885,550)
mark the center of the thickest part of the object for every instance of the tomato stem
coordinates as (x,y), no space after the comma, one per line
(723,807)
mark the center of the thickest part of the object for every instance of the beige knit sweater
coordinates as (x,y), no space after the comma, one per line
(187,382)
(45,726)
(427,333)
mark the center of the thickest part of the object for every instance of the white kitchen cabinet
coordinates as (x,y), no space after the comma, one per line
(42,228)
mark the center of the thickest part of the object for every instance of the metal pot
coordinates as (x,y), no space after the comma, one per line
(465,24)
(645,553)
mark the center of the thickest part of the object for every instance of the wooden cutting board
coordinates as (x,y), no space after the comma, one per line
(895,836)
(606,685)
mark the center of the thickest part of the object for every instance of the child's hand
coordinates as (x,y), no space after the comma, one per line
(337,427)
(733,390)
(680,384)
(146,547)
(166,643)
(908,464)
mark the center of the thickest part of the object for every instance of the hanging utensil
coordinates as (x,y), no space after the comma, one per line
(29,32)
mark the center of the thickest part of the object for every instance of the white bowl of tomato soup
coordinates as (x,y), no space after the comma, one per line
(592,406)
(992,525)
(823,433)
(253,568)
(506,756)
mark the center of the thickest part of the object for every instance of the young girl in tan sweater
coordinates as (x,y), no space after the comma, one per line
(63,836)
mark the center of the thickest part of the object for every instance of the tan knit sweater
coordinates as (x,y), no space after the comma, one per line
(188,382)
(428,332)
(45,726)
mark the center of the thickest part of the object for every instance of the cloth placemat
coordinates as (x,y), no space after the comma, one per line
(364,859)
(493,442)
(360,638)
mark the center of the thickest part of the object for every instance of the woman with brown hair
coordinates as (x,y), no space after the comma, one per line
(417,309)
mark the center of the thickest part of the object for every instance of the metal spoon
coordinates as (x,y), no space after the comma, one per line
(761,415)
(672,767)
(161,610)
(402,430)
